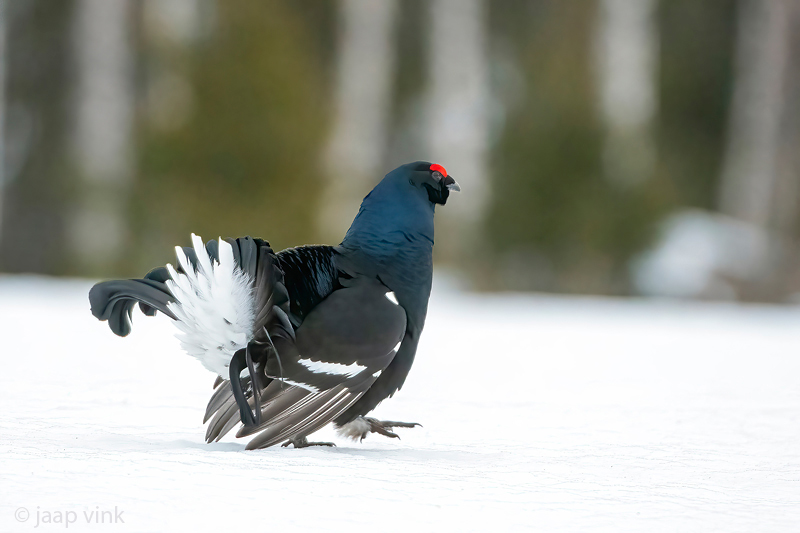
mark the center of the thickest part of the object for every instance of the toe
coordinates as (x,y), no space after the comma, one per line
(391,424)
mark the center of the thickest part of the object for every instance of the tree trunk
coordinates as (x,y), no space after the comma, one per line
(626,63)
(759,175)
(102,143)
(355,152)
(457,117)
(749,170)
(3,23)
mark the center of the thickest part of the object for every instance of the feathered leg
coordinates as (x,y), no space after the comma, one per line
(360,427)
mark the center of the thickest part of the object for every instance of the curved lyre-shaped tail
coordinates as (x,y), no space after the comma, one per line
(222,295)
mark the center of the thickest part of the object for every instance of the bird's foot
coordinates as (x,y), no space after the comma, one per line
(303,443)
(363,425)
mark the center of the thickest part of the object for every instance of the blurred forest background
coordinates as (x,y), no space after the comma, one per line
(623,147)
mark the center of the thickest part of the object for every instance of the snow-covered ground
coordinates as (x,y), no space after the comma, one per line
(539,413)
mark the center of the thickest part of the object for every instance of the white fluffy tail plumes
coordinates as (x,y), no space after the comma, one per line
(214,305)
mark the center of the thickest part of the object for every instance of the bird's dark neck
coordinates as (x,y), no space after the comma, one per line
(402,262)
(389,220)
(392,238)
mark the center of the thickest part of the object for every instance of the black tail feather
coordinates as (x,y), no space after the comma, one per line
(114,300)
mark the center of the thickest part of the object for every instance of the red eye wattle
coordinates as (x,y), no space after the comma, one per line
(439,168)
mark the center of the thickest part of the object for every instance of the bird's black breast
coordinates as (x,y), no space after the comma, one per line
(310,275)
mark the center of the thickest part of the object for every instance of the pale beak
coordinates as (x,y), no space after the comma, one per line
(451,184)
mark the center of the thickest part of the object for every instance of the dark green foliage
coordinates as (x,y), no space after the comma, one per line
(695,88)
(556,223)
(245,162)
(36,179)
(409,83)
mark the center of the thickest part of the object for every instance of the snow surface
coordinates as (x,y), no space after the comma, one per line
(539,413)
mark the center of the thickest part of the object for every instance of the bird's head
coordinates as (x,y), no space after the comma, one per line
(403,202)
(430,178)
(412,186)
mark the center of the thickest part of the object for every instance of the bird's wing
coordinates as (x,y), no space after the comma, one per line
(339,351)
(310,275)
(411,288)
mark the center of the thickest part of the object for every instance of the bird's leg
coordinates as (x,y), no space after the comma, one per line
(360,427)
(302,442)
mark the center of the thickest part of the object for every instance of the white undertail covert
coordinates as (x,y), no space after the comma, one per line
(214,305)
(355,429)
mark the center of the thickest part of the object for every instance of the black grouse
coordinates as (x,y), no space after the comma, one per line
(308,335)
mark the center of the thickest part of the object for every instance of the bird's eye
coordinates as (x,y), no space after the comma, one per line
(437,175)
(411,181)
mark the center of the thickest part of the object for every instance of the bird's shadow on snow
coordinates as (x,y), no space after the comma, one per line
(213,446)
(399,454)
(339,450)
(150,444)
(346,450)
